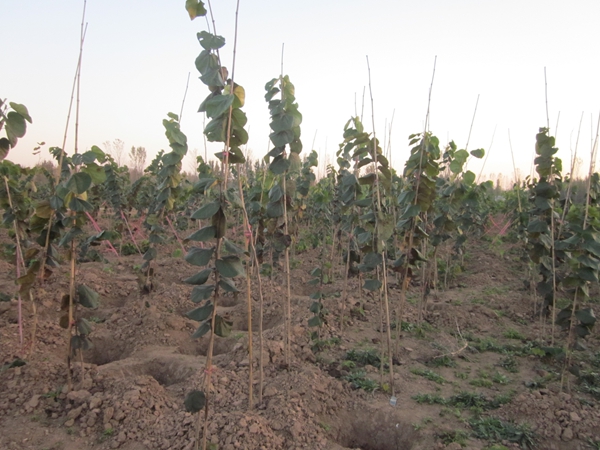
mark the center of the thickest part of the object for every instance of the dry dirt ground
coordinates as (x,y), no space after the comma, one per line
(144,362)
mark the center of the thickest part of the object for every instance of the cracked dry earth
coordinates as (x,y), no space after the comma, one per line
(143,363)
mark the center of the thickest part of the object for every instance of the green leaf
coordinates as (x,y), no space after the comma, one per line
(479,153)
(210,41)
(274,209)
(217,105)
(87,297)
(4,148)
(207,211)
(315,321)
(79,205)
(79,182)
(203,234)
(199,278)
(222,327)
(150,254)
(372,285)
(586,317)
(195,400)
(282,138)
(469,177)
(195,8)
(22,110)
(199,256)
(227,285)
(83,326)
(230,266)
(200,314)
(201,293)
(69,236)
(15,127)
(202,330)
(279,165)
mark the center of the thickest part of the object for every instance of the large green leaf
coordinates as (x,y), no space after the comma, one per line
(79,182)
(217,105)
(199,256)
(201,293)
(15,127)
(79,205)
(200,314)
(150,254)
(87,297)
(479,153)
(230,266)
(279,165)
(22,110)
(227,285)
(469,177)
(69,236)
(372,285)
(207,211)
(202,330)
(203,234)
(222,326)
(195,8)
(199,278)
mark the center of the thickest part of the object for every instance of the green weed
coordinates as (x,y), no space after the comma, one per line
(359,380)
(496,430)
(513,334)
(430,375)
(364,357)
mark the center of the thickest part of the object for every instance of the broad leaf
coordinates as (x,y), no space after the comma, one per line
(200,278)
(200,314)
(230,267)
(201,293)
(87,297)
(199,256)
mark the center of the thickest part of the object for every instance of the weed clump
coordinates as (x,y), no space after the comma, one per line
(496,430)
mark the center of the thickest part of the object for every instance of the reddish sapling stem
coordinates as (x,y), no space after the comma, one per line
(98,230)
(130,233)
(175,233)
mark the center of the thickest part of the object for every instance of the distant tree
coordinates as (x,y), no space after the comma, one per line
(137,159)
(115,149)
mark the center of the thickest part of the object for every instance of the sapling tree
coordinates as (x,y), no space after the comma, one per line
(283,159)
(541,228)
(168,184)
(221,259)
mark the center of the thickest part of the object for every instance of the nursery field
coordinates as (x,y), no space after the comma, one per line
(252,305)
(470,374)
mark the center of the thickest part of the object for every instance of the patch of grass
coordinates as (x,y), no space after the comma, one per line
(430,375)
(429,399)
(96,319)
(321,344)
(364,357)
(461,375)
(496,430)
(325,426)
(444,361)
(359,380)
(458,436)
(510,364)
(590,383)
(513,334)
(481,382)
(419,330)
(499,378)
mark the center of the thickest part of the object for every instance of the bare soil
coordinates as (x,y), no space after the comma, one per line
(143,363)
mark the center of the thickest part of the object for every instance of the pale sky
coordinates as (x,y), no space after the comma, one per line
(137,56)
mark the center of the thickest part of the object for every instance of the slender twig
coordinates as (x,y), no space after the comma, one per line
(184,97)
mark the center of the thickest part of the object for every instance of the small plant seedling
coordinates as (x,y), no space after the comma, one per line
(430,375)
(324,426)
(513,334)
